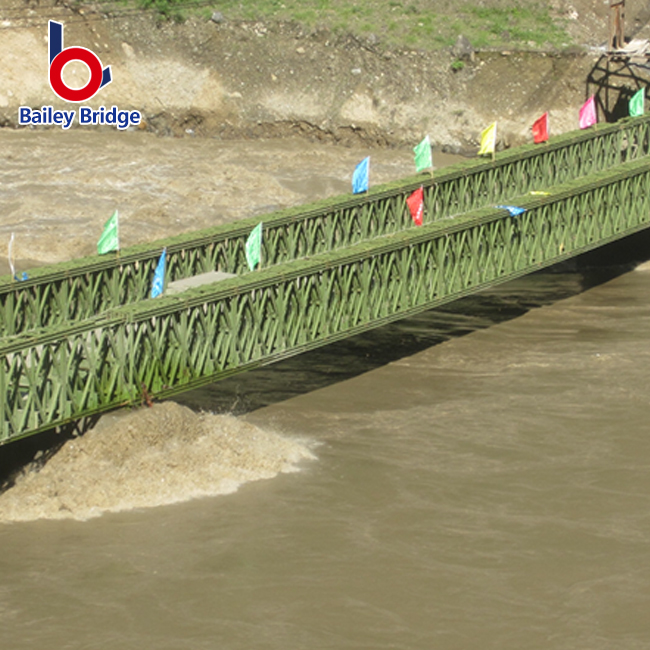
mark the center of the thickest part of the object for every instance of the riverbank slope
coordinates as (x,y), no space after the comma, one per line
(233,79)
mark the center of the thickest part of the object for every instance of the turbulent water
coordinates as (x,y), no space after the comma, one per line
(149,457)
(475,477)
(59,188)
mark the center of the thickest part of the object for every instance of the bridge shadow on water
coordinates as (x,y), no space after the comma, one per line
(359,354)
(352,357)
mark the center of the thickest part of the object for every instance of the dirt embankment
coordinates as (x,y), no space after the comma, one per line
(255,79)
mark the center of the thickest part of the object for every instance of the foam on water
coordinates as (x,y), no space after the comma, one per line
(149,457)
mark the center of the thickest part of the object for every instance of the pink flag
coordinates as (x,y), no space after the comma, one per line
(415,203)
(588,113)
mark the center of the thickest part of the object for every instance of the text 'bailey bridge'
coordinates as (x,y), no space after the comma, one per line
(80,338)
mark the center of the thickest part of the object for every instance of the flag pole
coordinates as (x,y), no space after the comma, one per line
(9,254)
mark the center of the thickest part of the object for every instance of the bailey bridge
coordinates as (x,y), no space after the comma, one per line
(80,338)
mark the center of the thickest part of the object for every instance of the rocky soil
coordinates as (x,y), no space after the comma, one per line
(225,79)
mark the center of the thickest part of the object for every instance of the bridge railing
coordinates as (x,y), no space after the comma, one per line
(175,343)
(79,289)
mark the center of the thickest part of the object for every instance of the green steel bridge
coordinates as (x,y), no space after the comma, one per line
(80,338)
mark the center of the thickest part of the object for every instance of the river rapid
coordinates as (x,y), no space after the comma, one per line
(477,477)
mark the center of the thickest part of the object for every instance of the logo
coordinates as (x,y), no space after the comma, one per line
(99,77)
(60,57)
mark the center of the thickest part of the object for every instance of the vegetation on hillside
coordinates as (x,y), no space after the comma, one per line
(420,24)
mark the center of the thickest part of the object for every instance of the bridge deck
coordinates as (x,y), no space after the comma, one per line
(77,290)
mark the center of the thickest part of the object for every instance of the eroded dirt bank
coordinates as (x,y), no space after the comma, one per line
(253,79)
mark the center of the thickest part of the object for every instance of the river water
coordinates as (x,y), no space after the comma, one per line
(478,476)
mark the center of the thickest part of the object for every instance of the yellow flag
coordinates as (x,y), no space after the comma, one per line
(488,140)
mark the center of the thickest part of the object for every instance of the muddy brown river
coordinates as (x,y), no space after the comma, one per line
(477,477)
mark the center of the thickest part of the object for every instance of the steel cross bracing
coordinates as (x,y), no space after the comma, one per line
(80,289)
(174,343)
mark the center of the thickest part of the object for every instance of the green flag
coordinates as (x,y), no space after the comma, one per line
(423,155)
(254,247)
(109,241)
(637,103)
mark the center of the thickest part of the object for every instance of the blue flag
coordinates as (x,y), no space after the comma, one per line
(159,276)
(512,209)
(360,177)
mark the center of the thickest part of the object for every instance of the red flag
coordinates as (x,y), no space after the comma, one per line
(540,129)
(416,205)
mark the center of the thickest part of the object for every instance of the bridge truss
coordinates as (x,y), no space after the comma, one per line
(53,375)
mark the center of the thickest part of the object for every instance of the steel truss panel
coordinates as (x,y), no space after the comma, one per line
(80,289)
(175,343)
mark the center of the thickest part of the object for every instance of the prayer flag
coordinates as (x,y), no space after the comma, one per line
(637,103)
(109,240)
(158,284)
(588,113)
(488,140)
(360,176)
(254,247)
(540,129)
(512,209)
(415,203)
(423,158)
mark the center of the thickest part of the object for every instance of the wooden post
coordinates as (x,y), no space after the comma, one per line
(616,25)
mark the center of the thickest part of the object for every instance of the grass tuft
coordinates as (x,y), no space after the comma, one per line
(418,24)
